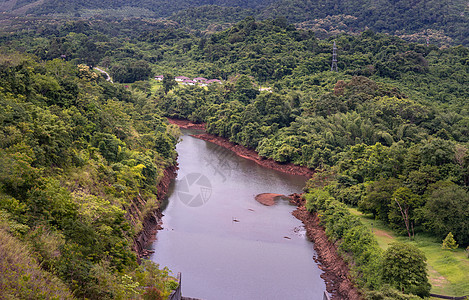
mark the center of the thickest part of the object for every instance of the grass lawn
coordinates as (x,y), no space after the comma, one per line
(448,270)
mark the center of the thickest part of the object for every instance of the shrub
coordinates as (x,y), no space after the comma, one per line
(405,268)
(449,242)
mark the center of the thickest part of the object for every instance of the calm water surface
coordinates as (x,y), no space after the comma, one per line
(225,243)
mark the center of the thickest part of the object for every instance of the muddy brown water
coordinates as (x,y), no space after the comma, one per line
(225,243)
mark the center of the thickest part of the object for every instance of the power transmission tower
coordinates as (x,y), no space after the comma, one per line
(334,58)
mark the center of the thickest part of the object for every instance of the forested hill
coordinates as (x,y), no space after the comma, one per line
(388,133)
(79,163)
(77,152)
(160,8)
(395,111)
(392,16)
(443,22)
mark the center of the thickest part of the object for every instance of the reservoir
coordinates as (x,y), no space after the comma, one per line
(225,243)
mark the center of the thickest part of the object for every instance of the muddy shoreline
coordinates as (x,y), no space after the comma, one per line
(253,156)
(243,151)
(336,270)
(186,124)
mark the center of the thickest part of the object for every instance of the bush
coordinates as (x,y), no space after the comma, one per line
(22,276)
(405,268)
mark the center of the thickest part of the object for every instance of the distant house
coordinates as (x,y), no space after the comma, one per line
(159,77)
(182,78)
(189,82)
(200,79)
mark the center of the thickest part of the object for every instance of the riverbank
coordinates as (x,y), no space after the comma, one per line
(186,124)
(242,151)
(336,271)
(253,156)
(151,222)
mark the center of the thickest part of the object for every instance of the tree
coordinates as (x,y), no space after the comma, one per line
(449,243)
(168,82)
(245,90)
(404,202)
(131,71)
(377,197)
(405,268)
(447,210)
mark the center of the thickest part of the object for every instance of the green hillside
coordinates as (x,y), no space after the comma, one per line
(79,163)
(387,133)
(391,16)
(443,22)
(160,8)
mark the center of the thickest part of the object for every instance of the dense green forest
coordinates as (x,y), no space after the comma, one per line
(387,134)
(80,159)
(159,8)
(391,16)
(395,119)
(443,22)
(396,112)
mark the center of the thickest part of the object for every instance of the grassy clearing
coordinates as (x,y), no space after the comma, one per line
(448,270)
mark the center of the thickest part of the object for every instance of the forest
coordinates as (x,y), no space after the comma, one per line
(79,160)
(388,134)
(442,22)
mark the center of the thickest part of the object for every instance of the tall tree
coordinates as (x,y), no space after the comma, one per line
(168,82)
(404,203)
(447,210)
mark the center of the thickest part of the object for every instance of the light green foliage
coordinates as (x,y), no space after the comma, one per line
(404,267)
(150,275)
(389,293)
(18,173)
(449,242)
(8,223)
(51,201)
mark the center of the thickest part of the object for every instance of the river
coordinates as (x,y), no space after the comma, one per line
(225,243)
